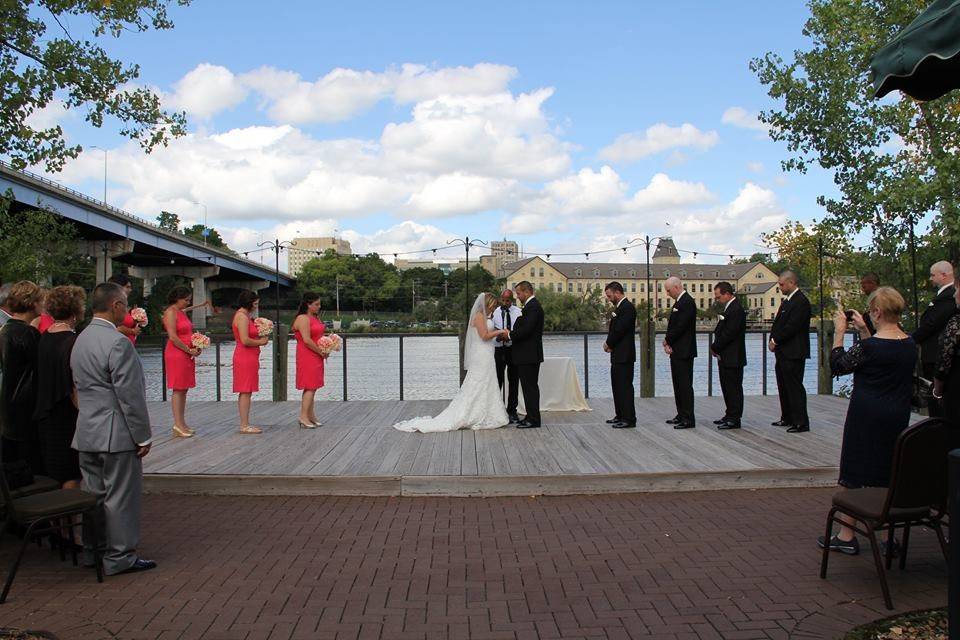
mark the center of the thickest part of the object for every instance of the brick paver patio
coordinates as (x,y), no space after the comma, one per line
(734,565)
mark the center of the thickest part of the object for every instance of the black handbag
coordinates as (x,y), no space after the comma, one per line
(18,474)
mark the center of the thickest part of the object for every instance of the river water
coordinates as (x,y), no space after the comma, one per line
(430,369)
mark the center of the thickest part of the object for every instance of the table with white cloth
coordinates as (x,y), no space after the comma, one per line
(559,387)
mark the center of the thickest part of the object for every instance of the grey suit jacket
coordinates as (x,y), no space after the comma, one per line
(111,391)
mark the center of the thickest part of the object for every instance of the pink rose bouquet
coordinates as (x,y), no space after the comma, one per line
(328,344)
(139,315)
(199,341)
(264,327)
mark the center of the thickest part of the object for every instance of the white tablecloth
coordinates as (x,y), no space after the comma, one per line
(559,387)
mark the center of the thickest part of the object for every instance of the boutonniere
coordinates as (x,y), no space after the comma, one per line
(931,304)
(613,315)
(674,310)
(721,317)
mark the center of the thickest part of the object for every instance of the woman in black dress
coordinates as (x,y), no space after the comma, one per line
(946,383)
(56,411)
(18,390)
(882,365)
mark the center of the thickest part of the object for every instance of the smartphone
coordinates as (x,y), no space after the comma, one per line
(849,314)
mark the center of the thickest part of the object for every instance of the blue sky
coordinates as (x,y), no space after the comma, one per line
(507,126)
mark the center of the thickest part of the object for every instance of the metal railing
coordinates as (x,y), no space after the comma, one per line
(217,341)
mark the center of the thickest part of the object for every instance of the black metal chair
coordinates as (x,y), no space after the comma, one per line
(917,496)
(49,512)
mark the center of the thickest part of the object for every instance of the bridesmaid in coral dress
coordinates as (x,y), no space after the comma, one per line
(308,329)
(43,321)
(246,356)
(129,328)
(179,355)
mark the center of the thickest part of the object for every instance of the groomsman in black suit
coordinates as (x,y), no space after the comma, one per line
(790,343)
(933,321)
(730,349)
(681,345)
(527,339)
(622,347)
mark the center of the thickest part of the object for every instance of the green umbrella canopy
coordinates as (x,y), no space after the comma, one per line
(923,61)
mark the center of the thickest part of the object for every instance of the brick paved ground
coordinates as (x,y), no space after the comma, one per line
(734,565)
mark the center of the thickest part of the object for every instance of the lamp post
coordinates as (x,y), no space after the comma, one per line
(104,172)
(277,246)
(646,373)
(466,243)
(205,231)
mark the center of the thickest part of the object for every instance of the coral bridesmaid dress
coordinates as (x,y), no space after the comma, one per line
(130,323)
(246,362)
(46,321)
(181,368)
(309,363)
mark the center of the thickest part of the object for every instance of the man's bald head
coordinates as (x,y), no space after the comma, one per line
(941,274)
(788,282)
(673,287)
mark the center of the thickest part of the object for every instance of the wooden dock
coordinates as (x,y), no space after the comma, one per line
(357,452)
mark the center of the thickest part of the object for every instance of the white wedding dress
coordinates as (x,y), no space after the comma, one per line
(479,403)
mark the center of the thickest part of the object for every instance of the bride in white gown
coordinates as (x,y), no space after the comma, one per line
(479,403)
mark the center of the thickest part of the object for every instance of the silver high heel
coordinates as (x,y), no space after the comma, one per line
(306,426)
(317,423)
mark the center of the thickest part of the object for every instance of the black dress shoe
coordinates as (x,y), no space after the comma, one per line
(623,424)
(514,418)
(526,424)
(729,424)
(140,565)
(676,420)
(614,420)
(686,424)
(798,428)
(721,420)
(780,423)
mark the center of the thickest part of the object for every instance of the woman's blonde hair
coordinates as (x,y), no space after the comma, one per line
(888,303)
(24,297)
(489,301)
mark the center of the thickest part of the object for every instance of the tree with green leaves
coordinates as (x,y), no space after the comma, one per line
(169,222)
(52,55)
(41,246)
(893,160)
(213,239)
(569,312)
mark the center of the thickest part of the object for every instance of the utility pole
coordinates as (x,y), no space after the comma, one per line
(466,243)
(277,246)
(338,296)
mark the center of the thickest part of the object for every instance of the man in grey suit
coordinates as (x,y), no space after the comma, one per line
(113,427)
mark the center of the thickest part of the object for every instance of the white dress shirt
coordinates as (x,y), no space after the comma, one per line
(498,321)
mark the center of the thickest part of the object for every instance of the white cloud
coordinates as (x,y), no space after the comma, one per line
(50,116)
(743,119)
(343,93)
(206,91)
(755,167)
(664,193)
(459,193)
(660,137)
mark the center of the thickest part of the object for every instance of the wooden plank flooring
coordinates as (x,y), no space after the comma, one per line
(357,451)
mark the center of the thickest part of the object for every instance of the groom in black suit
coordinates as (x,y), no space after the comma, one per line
(730,349)
(527,339)
(621,345)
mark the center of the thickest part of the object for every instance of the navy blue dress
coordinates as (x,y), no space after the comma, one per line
(879,406)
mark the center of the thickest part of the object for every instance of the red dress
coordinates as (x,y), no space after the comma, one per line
(130,323)
(181,368)
(309,363)
(246,362)
(46,321)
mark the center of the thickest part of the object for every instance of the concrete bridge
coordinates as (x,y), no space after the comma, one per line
(151,252)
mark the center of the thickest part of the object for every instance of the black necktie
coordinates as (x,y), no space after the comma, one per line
(506,319)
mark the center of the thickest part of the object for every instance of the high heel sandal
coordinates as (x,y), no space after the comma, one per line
(182,433)
(250,429)
(306,426)
(316,423)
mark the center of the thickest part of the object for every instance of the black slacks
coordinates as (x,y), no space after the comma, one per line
(501,356)
(928,370)
(681,370)
(530,384)
(621,379)
(731,384)
(793,396)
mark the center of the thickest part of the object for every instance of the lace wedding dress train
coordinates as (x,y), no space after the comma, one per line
(479,403)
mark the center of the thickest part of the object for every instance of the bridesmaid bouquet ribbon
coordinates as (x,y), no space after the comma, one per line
(139,315)
(264,326)
(329,344)
(199,341)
